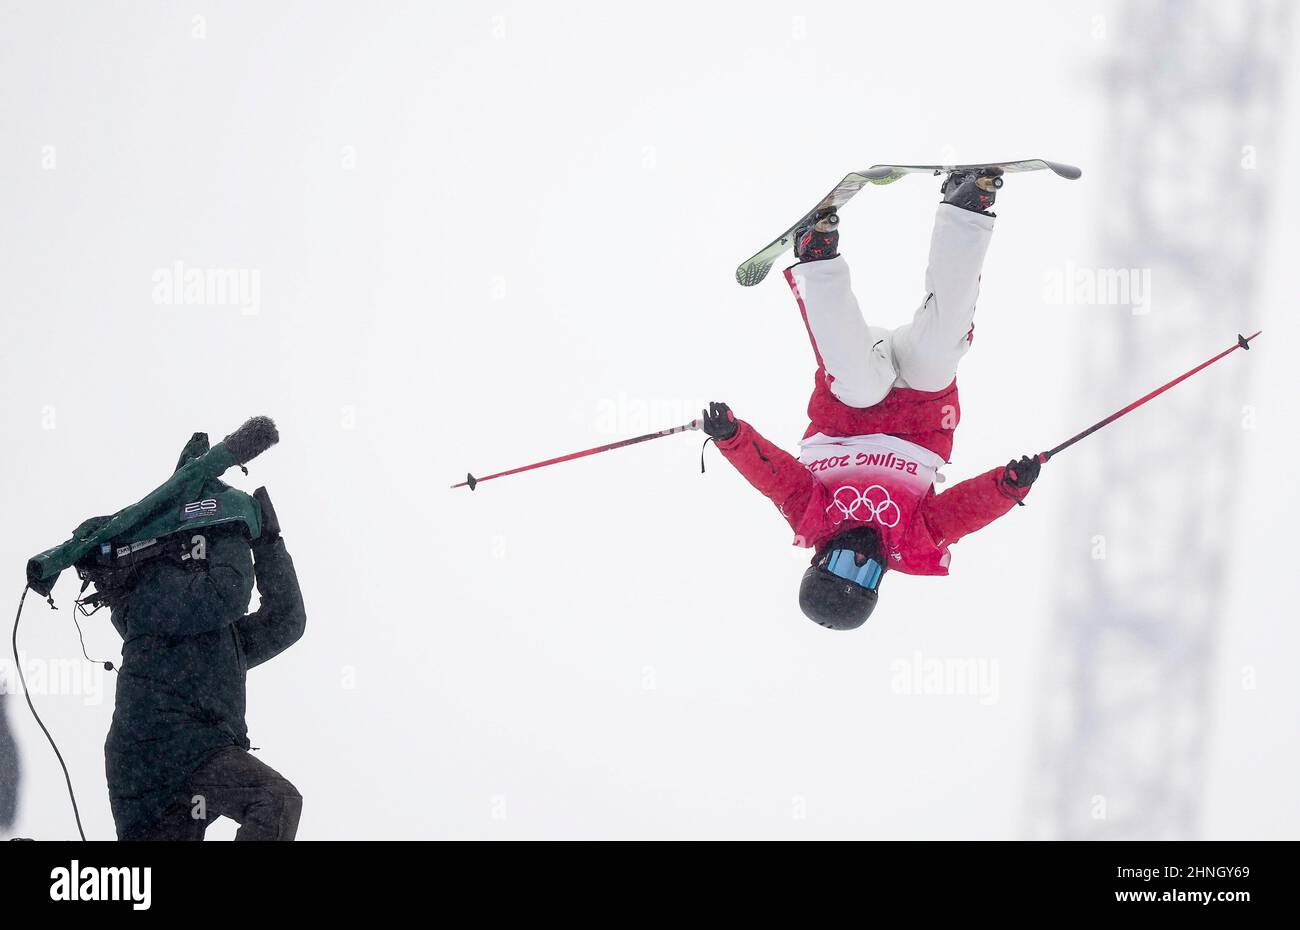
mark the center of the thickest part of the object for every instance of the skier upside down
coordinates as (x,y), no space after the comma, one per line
(882,415)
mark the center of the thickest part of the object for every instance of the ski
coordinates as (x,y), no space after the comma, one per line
(755,269)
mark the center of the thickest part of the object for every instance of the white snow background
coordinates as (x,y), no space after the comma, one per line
(489,233)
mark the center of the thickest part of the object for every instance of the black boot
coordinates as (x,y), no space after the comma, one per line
(820,240)
(973,190)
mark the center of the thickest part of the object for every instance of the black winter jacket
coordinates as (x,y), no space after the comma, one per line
(187,645)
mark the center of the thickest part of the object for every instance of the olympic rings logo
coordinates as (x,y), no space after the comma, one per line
(870,505)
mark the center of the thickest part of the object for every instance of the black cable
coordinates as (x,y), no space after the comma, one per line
(76,812)
(108,666)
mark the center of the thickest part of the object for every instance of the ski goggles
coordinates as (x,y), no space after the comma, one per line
(843,563)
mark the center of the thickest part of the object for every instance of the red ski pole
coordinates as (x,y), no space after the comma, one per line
(1243,342)
(471,482)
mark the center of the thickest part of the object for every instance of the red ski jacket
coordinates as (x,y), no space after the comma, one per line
(880,477)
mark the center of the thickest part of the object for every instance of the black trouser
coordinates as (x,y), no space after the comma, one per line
(232,783)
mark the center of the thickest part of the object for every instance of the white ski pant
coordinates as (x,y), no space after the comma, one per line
(866,362)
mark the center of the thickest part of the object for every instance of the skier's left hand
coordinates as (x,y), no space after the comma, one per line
(1022,473)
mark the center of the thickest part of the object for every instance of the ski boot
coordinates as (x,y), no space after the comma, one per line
(973,190)
(820,240)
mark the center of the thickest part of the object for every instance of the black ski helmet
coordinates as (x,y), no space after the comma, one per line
(840,588)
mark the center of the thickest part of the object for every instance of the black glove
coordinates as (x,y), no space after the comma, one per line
(718,421)
(270,522)
(1022,473)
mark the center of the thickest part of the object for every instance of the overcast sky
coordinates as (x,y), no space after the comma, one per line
(476,235)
